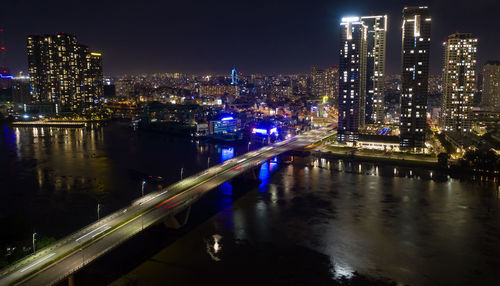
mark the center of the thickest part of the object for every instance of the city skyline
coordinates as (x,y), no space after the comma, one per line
(338,142)
(138,38)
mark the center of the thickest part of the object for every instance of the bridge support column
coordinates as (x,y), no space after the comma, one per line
(71,280)
(253,174)
(249,177)
(179,220)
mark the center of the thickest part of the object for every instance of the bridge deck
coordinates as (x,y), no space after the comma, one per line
(59,260)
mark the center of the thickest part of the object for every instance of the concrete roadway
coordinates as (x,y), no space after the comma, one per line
(58,261)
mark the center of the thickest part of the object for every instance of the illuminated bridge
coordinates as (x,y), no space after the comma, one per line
(170,206)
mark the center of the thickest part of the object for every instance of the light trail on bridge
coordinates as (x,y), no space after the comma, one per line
(59,260)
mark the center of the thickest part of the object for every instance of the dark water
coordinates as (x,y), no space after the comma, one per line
(381,221)
(308,220)
(53,178)
(413,231)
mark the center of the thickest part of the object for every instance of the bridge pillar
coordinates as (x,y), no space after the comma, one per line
(248,177)
(253,175)
(71,280)
(179,220)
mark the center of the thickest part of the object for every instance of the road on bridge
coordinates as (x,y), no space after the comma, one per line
(59,260)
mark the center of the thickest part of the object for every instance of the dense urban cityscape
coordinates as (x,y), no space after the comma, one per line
(349,173)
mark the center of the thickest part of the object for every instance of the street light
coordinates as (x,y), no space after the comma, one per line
(98,210)
(208,162)
(249,146)
(34,239)
(182,170)
(143,183)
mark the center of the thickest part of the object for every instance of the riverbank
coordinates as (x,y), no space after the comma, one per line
(372,156)
(67,124)
(454,170)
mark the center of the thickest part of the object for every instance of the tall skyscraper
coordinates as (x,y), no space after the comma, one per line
(324,84)
(375,67)
(416,39)
(352,78)
(64,72)
(234,77)
(92,77)
(318,82)
(331,85)
(459,82)
(491,85)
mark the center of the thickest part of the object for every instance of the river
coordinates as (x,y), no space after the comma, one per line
(381,221)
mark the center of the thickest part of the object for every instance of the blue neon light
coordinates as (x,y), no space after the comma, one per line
(227,118)
(262,131)
(6,76)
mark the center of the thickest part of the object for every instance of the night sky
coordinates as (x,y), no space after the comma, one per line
(211,36)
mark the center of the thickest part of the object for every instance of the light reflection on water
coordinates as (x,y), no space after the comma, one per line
(265,172)
(380,220)
(370,221)
(227,153)
(63,173)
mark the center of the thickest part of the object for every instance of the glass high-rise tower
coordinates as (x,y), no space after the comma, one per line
(491,85)
(375,67)
(459,82)
(352,78)
(416,39)
(64,72)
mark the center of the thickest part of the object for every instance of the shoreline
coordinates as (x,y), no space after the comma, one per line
(453,170)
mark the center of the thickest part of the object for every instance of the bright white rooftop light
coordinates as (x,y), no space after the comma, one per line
(350,19)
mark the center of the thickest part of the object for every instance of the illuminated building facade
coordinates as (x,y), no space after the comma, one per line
(318,82)
(324,83)
(226,128)
(459,82)
(265,133)
(92,78)
(217,90)
(491,85)
(64,72)
(224,125)
(125,88)
(375,67)
(332,83)
(352,78)
(416,39)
